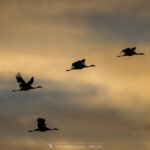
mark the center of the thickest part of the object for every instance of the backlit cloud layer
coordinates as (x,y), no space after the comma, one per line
(108,103)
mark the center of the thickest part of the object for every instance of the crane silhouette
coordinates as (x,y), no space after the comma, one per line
(80,64)
(42,126)
(25,86)
(130,52)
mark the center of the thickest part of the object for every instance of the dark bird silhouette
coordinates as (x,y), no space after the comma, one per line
(80,64)
(42,126)
(130,52)
(25,86)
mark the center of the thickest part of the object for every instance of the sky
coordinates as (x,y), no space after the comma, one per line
(106,104)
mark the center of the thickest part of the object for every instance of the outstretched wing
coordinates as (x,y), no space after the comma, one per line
(83,61)
(133,50)
(75,64)
(41,123)
(30,82)
(126,51)
(78,63)
(20,80)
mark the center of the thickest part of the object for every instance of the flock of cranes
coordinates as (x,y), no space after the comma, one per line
(80,64)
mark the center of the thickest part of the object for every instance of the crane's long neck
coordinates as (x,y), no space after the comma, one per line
(139,53)
(90,66)
(54,129)
(36,87)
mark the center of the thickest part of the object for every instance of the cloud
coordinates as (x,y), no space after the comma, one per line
(22,144)
(108,103)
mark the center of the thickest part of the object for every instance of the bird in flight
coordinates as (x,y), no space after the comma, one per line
(80,64)
(25,86)
(42,126)
(130,52)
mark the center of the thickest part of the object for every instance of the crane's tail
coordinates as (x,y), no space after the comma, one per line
(31,131)
(120,56)
(69,70)
(14,90)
